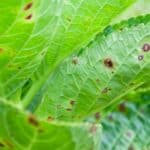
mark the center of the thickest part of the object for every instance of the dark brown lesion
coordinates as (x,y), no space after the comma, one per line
(122,107)
(146,47)
(108,63)
(106,90)
(50,118)
(72,102)
(8,144)
(68,109)
(2,144)
(75,61)
(28,6)
(33,121)
(97,116)
(28,17)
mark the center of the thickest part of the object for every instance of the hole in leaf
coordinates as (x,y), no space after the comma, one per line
(140,57)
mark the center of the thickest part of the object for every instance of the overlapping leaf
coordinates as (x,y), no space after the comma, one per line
(111,66)
(127,127)
(22,131)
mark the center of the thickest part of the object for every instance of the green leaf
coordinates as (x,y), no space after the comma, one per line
(22,131)
(127,127)
(108,68)
(46,31)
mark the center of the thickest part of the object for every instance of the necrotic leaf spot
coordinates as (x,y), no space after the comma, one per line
(108,63)
(68,109)
(1,50)
(122,107)
(32,120)
(146,47)
(105,90)
(28,6)
(29,17)
(50,118)
(97,116)
(72,102)
(1,144)
(75,60)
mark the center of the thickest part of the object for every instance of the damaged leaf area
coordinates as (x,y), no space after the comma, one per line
(66,69)
(104,72)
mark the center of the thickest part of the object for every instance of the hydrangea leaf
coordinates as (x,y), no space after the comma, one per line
(112,65)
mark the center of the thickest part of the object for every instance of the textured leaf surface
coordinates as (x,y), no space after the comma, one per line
(33,30)
(22,131)
(109,67)
(128,126)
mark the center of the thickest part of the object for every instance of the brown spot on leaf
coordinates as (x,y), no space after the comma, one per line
(140,57)
(28,6)
(75,61)
(50,118)
(1,50)
(146,47)
(106,90)
(131,147)
(108,63)
(97,116)
(33,121)
(9,144)
(72,102)
(29,17)
(97,80)
(2,145)
(122,107)
(69,109)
